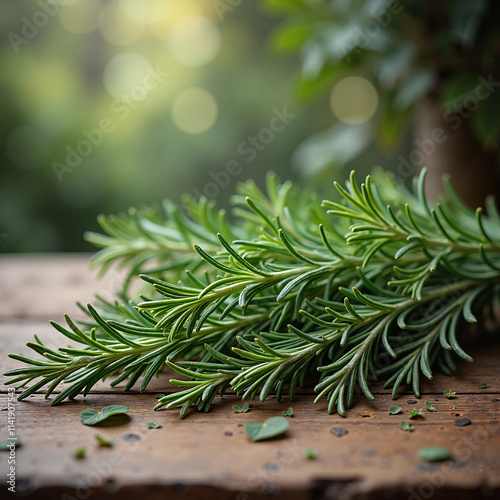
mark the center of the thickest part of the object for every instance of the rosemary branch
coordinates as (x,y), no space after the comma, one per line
(377,283)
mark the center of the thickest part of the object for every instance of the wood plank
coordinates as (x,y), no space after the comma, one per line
(209,455)
(212,449)
(44,286)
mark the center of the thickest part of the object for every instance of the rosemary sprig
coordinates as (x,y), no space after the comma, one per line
(376,283)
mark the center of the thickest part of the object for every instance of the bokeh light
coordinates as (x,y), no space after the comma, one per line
(194,111)
(126,62)
(194,41)
(116,27)
(147,11)
(354,100)
(182,9)
(80,17)
(124,72)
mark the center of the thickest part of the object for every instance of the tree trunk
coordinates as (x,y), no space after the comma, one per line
(451,148)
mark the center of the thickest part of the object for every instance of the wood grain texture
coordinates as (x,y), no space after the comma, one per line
(47,286)
(210,456)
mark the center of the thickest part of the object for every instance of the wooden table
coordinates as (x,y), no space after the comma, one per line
(209,455)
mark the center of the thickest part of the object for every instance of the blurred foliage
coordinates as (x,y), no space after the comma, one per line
(407,49)
(71,66)
(53,87)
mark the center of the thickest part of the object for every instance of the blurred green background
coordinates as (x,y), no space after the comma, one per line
(111,104)
(107,104)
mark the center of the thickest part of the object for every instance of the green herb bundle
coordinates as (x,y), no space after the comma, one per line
(373,284)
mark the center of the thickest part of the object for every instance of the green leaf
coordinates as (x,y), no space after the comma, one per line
(242,409)
(406,426)
(291,34)
(414,88)
(394,410)
(332,148)
(310,454)
(313,62)
(465,21)
(80,453)
(486,121)
(416,413)
(159,396)
(154,425)
(392,124)
(457,89)
(103,441)
(93,417)
(449,394)
(429,406)
(483,385)
(392,66)
(288,413)
(285,7)
(434,454)
(309,89)
(272,427)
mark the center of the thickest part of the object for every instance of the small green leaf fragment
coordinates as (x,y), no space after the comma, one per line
(449,394)
(103,441)
(154,425)
(93,417)
(310,453)
(272,427)
(416,413)
(394,410)
(80,453)
(434,454)
(159,396)
(483,385)
(429,406)
(243,409)
(288,413)
(406,426)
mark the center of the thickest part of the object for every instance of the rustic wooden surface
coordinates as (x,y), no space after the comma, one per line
(209,455)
